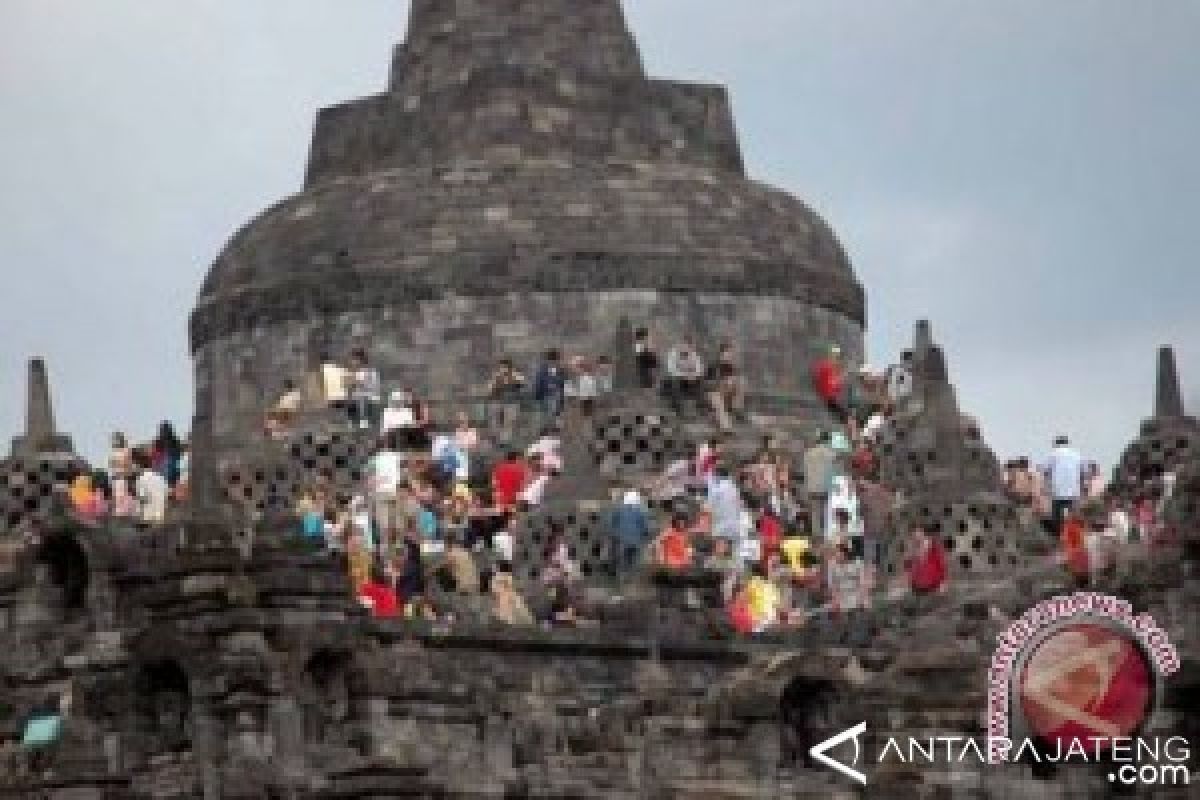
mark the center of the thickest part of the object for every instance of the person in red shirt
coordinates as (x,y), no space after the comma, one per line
(770,534)
(378,595)
(829,380)
(509,477)
(673,547)
(927,566)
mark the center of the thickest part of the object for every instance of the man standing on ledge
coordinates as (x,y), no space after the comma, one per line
(1064,474)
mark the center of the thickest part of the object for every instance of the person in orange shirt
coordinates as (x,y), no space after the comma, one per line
(1074,545)
(673,547)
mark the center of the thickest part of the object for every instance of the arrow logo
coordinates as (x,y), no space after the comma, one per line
(818,752)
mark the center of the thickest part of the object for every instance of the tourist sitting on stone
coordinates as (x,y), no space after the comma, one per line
(466,435)
(359,557)
(605,376)
(762,599)
(312,517)
(334,383)
(561,612)
(845,579)
(459,565)
(506,385)
(558,566)
(451,464)
(41,734)
(508,606)
(725,394)
(281,417)
(587,388)
(926,563)
(629,526)
(549,386)
(741,619)
(410,572)
(645,359)
(408,419)
(364,389)
(685,376)
(673,547)
(378,595)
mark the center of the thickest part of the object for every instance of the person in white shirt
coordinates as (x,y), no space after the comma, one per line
(587,387)
(535,491)
(385,470)
(547,450)
(152,491)
(398,413)
(1064,476)
(725,503)
(364,389)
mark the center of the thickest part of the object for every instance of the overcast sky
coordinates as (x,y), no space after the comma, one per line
(1022,172)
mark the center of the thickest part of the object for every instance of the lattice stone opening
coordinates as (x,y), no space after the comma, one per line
(586,535)
(626,443)
(980,538)
(27,487)
(337,459)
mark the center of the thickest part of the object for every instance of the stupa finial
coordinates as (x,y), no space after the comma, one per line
(1168,399)
(40,435)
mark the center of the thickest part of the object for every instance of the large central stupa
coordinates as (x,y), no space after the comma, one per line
(521,185)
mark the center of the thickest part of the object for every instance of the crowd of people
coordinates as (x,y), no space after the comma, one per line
(797,532)
(139,482)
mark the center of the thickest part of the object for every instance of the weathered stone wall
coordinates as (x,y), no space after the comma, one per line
(446,347)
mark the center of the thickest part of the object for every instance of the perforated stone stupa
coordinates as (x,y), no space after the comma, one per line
(1167,440)
(520,185)
(41,459)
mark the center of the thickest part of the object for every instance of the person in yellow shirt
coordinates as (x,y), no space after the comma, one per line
(762,597)
(796,551)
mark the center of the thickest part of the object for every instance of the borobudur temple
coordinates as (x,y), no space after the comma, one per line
(520,185)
